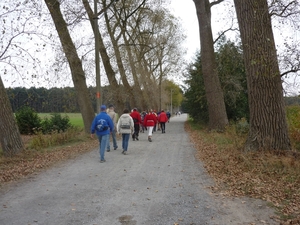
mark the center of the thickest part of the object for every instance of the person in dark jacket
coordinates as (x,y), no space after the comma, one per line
(136,116)
(169,116)
(102,125)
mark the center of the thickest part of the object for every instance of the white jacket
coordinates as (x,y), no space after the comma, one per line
(125,124)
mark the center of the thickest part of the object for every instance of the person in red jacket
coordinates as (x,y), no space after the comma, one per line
(136,116)
(162,119)
(149,122)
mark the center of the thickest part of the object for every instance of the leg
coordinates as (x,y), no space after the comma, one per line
(100,140)
(136,131)
(114,139)
(126,141)
(108,145)
(150,129)
(103,144)
(123,142)
(163,127)
(133,134)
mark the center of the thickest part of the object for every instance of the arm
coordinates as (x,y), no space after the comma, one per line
(118,126)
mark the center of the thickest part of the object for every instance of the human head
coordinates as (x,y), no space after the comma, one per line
(135,109)
(111,106)
(103,108)
(126,111)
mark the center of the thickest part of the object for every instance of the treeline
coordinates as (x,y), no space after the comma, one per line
(57,100)
(294,100)
(44,100)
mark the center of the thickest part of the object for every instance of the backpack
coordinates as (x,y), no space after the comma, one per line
(125,124)
(101,125)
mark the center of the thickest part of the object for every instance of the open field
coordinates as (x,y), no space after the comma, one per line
(75,118)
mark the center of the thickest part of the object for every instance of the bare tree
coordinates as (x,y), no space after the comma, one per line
(74,61)
(111,75)
(268,124)
(13,56)
(214,94)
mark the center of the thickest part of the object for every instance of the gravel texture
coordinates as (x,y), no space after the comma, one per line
(156,183)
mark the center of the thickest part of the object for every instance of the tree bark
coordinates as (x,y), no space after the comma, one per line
(213,91)
(78,75)
(268,124)
(10,137)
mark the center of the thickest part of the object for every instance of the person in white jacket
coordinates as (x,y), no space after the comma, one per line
(125,127)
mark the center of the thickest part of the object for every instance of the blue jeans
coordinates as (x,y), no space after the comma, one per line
(103,139)
(125,140)
(113,134)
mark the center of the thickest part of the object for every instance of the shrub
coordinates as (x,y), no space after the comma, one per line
(293,116)
(56,123)
(28,120)
(242,126)
(41,141)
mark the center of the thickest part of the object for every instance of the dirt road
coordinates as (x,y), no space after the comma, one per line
(156,183)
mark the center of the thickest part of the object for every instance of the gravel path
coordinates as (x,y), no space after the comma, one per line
(156,183)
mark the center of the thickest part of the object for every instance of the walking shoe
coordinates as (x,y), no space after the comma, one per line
(133,139)
(115,148)
(149,139)
(125,153)
(137,138)
(102,161)
(108,150)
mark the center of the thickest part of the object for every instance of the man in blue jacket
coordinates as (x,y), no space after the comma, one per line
(102,125)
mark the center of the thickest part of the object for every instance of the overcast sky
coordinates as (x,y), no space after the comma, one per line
(186,12)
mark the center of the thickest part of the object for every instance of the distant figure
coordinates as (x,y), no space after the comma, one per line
(143,114)
(136,116)
(125,127)
(169,116)
(102,125)
(155,125)
(113,115)
(162,119)
(149,122)
(158,124)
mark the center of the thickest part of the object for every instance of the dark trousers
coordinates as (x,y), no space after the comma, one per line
(136,131)
(163,127)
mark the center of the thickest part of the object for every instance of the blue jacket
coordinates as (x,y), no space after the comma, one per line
(105,116)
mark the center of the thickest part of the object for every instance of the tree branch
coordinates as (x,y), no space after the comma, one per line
(216,2)
(289,71)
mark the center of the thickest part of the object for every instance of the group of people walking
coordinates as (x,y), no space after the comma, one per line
(129,123)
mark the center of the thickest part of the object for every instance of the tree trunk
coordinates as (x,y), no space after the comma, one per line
(111,75)
(78,75)
(114,41)
(268,125)
(10,137)
(214,94)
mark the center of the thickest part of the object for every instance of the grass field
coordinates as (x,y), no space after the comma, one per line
(75,118)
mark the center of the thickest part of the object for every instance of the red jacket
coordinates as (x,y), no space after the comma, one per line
(150,120)
(162,118)
(136,116)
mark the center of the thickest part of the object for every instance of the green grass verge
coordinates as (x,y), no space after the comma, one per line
(75,118)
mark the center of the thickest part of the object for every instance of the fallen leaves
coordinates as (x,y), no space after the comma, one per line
(32,161)
(265,175)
